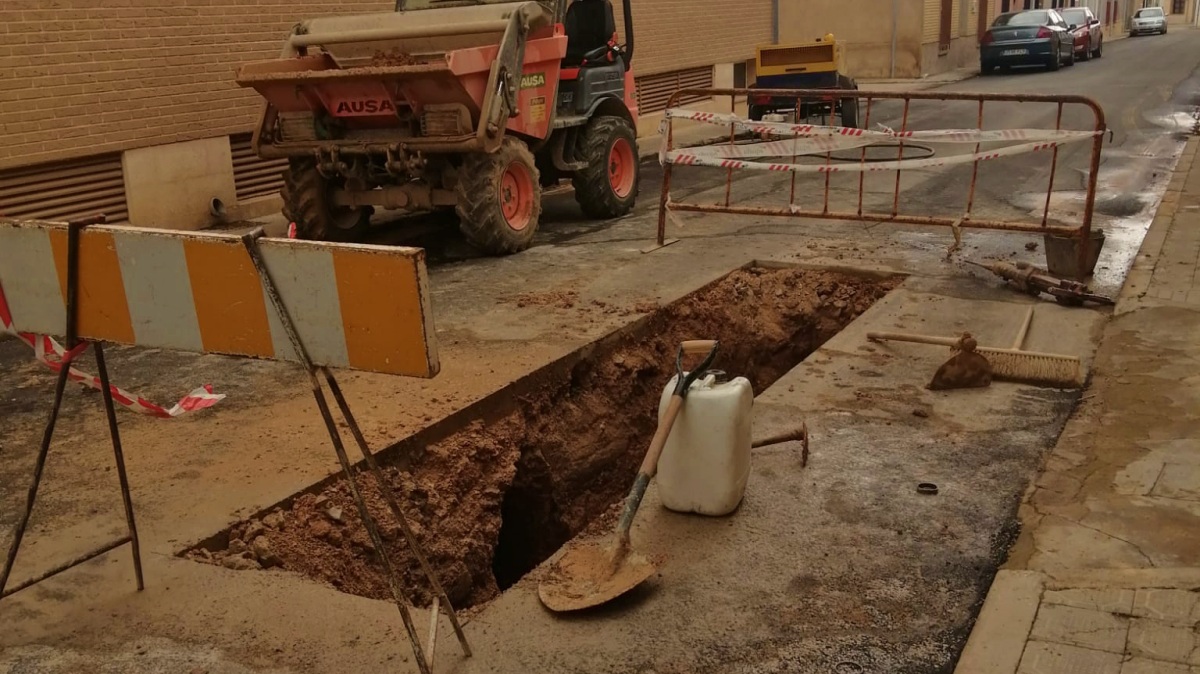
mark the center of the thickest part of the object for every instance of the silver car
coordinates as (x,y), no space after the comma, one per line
(1149,20)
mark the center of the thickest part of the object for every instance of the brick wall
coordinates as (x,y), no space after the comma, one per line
(85,76)
(677,34)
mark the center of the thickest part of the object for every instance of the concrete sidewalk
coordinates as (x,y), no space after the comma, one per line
(1104,575)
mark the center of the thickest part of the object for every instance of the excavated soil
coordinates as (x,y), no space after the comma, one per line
(493,499)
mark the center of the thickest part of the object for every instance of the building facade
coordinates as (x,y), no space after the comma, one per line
(129,107)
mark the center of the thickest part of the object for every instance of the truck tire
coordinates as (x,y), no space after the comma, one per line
(306,202)
(500,198)
(850,113)
(848,106)
(608,186)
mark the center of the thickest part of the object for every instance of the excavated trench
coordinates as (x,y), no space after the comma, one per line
(496,488)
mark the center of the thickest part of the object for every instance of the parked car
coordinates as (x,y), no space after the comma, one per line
(1028,38)
(1089,34)
(1149,20)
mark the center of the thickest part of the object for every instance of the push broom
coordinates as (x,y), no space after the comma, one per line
(1014,364)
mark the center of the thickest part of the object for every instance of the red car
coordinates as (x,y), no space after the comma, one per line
(1088,32)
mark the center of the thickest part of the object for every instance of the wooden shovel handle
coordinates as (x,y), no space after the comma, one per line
(649,467)
(698,346)
(650,463)
(916,339)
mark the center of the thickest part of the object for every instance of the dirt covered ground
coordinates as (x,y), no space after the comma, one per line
(491,503)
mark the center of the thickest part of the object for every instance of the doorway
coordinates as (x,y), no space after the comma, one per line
(944,34)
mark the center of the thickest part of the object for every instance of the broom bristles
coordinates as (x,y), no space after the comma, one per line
(1034,368)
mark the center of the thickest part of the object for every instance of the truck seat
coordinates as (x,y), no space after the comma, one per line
(589,25)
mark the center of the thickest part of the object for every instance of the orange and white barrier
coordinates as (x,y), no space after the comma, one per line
(355,306)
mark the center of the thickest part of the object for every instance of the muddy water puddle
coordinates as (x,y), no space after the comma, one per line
(498,487)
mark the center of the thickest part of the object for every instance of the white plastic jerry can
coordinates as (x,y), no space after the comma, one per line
(706,461)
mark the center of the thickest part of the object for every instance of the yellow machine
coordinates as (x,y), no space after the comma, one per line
(804,65)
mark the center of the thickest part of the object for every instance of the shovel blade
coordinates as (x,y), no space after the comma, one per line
(584,577)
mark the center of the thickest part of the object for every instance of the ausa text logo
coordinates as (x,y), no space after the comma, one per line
(533,81)
(363,107)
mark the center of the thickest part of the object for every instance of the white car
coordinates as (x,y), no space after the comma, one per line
(1149,20)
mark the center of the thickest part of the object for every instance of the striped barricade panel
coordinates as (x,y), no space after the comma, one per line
(354,306)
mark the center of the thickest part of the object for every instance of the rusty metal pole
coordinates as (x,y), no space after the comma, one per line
(795,139)
(413,543)
(665,198)
(1053,168)
(900,157)
(975,167)
(862,177)
(732,141)
(1089,207)
(39,465)
(114,434)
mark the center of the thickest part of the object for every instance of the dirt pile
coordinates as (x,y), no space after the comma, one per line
(490,503)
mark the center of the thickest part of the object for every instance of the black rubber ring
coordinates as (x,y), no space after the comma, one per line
(927,488)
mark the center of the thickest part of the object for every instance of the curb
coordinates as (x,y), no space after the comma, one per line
(998,638)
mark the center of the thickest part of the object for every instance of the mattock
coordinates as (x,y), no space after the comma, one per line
(424,655)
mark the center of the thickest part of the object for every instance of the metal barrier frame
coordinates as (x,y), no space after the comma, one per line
(1082,233)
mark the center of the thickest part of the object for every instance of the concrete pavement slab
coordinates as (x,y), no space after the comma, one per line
(1139,665)
(1096,630)
(1167,605)
(1159,640)
(1050,658)
(1108,600)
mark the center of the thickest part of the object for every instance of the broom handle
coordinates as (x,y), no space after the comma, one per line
(1020,340)
(948,341)
(953,342)
(916,339)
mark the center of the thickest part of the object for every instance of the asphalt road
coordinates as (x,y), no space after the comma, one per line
(1147,88)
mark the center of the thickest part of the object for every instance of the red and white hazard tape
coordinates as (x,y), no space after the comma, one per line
(883,133)
(48,351)
(701,157)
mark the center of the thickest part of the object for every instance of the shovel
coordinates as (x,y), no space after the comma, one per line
(588,575)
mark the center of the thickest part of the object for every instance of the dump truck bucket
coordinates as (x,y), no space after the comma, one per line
(428,70)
